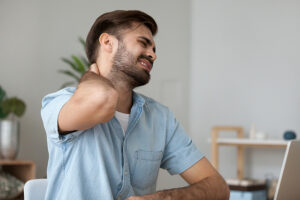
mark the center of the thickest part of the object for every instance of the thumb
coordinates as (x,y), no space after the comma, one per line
(94,68)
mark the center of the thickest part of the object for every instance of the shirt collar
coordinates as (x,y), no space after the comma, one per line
(138,99)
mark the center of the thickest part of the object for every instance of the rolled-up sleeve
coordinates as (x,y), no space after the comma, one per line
(51,106)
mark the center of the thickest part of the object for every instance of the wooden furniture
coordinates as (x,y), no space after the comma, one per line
(21,169)
(240,143)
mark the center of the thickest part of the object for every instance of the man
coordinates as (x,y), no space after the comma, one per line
(106,141)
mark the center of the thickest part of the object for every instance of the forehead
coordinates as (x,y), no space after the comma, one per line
(137,31)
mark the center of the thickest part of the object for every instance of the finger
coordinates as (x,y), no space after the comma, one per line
(93,68)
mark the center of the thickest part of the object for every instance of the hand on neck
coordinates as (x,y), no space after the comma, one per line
(121,83)
(124,88)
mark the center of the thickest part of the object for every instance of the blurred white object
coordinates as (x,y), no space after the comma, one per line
(260,135)
(9,139)
(252,133)
(245,182)
(35,189)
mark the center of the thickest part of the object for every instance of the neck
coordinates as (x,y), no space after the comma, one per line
(125,96)
(123,87)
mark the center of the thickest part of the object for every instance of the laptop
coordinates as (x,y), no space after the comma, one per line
(288,187)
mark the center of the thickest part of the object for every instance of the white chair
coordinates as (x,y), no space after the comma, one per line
(35,189)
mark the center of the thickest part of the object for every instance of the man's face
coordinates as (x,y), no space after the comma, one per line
(135,56)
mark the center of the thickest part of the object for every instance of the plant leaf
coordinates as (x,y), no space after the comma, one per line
(71,63)
(2,114)
(69,73)
(82,41)
(13,105)
(67,84)
(2,97)
(79,64)
(86,63)
(2,94)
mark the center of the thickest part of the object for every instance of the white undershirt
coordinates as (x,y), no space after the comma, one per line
(123,118)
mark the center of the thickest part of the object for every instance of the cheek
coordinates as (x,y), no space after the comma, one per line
(135,50)
(133,55)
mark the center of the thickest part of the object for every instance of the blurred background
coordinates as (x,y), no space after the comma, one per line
(220,62)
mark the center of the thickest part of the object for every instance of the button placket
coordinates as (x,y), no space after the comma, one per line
(126,178)
(126,175)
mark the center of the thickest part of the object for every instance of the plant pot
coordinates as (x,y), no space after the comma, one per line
(9,139)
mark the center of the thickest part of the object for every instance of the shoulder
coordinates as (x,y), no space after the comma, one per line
(153,106)
(65,92)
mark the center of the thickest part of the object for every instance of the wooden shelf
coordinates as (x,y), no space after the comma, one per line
(252,142)
(21,169)
(240,143)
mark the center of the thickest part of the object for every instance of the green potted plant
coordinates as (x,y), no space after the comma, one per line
(78,66)
(10,110)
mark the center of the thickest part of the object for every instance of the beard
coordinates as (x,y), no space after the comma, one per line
(125,68)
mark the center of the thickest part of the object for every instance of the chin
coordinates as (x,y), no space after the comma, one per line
(141,80)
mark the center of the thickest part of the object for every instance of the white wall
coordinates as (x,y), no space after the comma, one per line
(243,57)
(245,69)
(36,34)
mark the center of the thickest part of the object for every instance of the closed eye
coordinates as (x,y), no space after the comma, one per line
(143,43)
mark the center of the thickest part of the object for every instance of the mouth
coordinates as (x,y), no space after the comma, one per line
(146,64)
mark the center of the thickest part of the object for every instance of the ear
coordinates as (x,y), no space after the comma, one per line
(107,42)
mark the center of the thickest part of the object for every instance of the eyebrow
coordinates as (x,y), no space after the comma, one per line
(147,41)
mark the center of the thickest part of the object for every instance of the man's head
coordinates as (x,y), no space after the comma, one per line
(125,38)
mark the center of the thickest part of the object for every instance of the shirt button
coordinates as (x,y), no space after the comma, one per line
(126,173)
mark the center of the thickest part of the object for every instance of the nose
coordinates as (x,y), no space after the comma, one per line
(151,54)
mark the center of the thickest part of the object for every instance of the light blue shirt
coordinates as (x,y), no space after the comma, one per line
(102,164)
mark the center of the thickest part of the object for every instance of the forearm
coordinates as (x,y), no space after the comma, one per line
(95,92)
(93,102)
(211,188)
(95,89)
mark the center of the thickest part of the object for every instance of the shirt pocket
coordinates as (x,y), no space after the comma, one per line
(147,164)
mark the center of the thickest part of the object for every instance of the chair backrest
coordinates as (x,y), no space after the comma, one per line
(35,189)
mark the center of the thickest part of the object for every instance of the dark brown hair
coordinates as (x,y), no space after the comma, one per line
(113,23)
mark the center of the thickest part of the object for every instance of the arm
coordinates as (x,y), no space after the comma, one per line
(205,183)
(93,102)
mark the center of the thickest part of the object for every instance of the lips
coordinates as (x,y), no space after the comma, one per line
(146,64)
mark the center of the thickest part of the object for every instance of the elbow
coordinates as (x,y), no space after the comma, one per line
(225,194)
(220,188)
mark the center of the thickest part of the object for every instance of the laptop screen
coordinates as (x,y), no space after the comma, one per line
(288,187)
